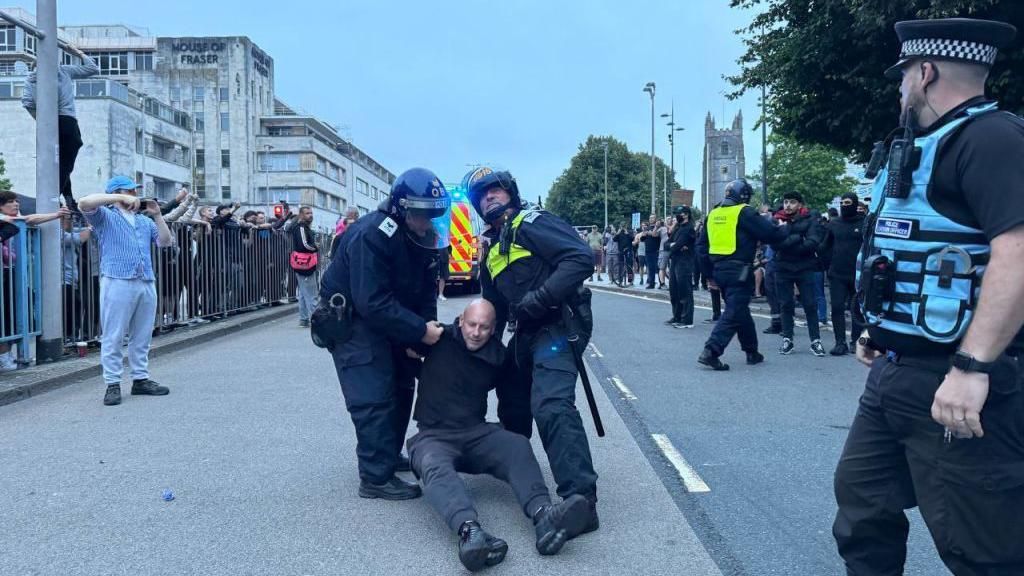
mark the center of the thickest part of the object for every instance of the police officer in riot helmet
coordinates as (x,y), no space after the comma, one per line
(385,271)
(940,284)
(535,266)
(726,249)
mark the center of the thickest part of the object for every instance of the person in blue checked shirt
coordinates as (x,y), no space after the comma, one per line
(126,230)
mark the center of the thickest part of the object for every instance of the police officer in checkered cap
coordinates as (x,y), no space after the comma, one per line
(940,424)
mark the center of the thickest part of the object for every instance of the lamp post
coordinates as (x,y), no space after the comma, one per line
(672,145)
(764,150)
(649,88)
(605,144)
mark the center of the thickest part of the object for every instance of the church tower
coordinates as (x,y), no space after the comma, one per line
(723,159)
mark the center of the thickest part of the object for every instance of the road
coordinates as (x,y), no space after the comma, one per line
(259,452)
(764,439)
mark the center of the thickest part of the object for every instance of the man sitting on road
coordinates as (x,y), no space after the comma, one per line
(451,405)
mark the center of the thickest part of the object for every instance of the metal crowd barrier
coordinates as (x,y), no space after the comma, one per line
(20,279)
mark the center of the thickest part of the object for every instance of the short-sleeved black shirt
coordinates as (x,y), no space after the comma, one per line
(978,182)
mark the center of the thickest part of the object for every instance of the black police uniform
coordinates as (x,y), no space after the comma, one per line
(540,380)
(843,240)
(451,406)
(734,275)
(392,286)
(969,491)
(681,254)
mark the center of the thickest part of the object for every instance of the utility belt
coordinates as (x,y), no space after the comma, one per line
(332,322)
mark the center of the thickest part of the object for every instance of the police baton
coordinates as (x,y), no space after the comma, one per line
(577,356)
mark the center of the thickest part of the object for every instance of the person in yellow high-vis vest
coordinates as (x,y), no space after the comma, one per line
(535,266)
(726,248)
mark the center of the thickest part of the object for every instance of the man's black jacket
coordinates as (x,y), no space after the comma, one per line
(843,240)
(682,243)
(798,252)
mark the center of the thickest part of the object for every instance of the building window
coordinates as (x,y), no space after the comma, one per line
(224,94)
(198,93)
(65,58)
(362,187)
(138,141)
(111,63)
(175,95)
(200,190)
(279,162)
(200,122)
(6,68)
(225,122)
(225,158)
(7,43)
(30,43)
(143,60)
(344,176)
(321,199)
(725,170)
(374,193)
(725,148)
(200,159)
(225,192)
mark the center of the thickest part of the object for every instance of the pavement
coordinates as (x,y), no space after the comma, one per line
(256,446)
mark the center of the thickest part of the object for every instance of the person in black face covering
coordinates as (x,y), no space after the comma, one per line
(681,263)
(839,250)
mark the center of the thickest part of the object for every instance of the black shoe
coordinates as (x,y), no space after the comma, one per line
(710,320)
(394,489)
(650,286)
(754,358)
(403,464)
(708,358)
(496,550)
(112,396)
(773,329)
(148,388)
(594,523)
(672,321)
(556,524)
(473,546)
(839,349)
(787,346)
(817,349)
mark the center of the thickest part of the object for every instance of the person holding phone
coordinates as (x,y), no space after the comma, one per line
(125,229)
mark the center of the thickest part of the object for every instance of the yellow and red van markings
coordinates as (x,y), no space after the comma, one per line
(461,240)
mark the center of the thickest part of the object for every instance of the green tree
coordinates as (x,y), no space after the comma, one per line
(822,64)
(817,172)
(5,184)
(578,194)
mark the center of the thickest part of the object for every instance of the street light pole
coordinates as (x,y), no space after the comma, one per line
(49,346)
(649,88)
(605,187)
(764,149)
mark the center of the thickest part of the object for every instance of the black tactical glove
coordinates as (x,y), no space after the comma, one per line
(535,304)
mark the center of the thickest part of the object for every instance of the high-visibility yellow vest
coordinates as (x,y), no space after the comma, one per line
(497,262)
(722,224)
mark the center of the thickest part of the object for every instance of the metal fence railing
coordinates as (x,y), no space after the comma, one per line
(207,274)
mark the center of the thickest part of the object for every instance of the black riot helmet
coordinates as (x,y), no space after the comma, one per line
(481,180)
(418,196)
(739,191)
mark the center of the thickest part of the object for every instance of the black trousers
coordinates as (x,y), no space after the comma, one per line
(771,291)
(539,384)
(437,456)
(970,492)
(377,382)
(843,295)
(69,142)
(736,321)
(680,289)
(785,281)
(716,302)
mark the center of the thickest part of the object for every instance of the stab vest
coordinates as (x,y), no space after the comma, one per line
(938,262)
(497,262)
(722,224)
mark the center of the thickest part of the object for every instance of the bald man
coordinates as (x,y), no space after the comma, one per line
(451,405)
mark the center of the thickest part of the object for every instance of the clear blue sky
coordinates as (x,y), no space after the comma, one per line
(442,84)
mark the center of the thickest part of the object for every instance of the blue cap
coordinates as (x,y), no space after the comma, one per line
(120,183)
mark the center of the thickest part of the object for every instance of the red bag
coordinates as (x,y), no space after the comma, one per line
(303,261)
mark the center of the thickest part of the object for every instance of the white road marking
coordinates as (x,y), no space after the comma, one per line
(665,301)
(691,480)
(596,351)
(626,392)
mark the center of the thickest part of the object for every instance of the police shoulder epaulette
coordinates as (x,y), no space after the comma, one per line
(388,227)
(531,215)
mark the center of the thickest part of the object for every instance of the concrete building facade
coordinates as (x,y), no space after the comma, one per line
(723,159)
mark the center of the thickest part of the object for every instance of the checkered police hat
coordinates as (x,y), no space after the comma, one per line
(961,39)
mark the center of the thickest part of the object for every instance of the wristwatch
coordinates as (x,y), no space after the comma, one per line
(967,363)
(869,343)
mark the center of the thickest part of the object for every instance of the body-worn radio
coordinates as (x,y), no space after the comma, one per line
(904,158)
(877,281)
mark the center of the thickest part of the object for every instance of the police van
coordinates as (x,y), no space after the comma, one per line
(464,233)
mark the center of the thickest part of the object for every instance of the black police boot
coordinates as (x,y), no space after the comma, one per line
(496,550)
(473,546)
(709,359)
(148,388)
(394,489)
(839,349)
(594,523)
(775,328)
(754,358)
(403,464)
(113,395)
(557,523)
(673,321)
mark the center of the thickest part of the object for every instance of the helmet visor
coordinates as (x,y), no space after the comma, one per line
(429,227)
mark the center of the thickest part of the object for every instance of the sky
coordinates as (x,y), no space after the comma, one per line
(446,84)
